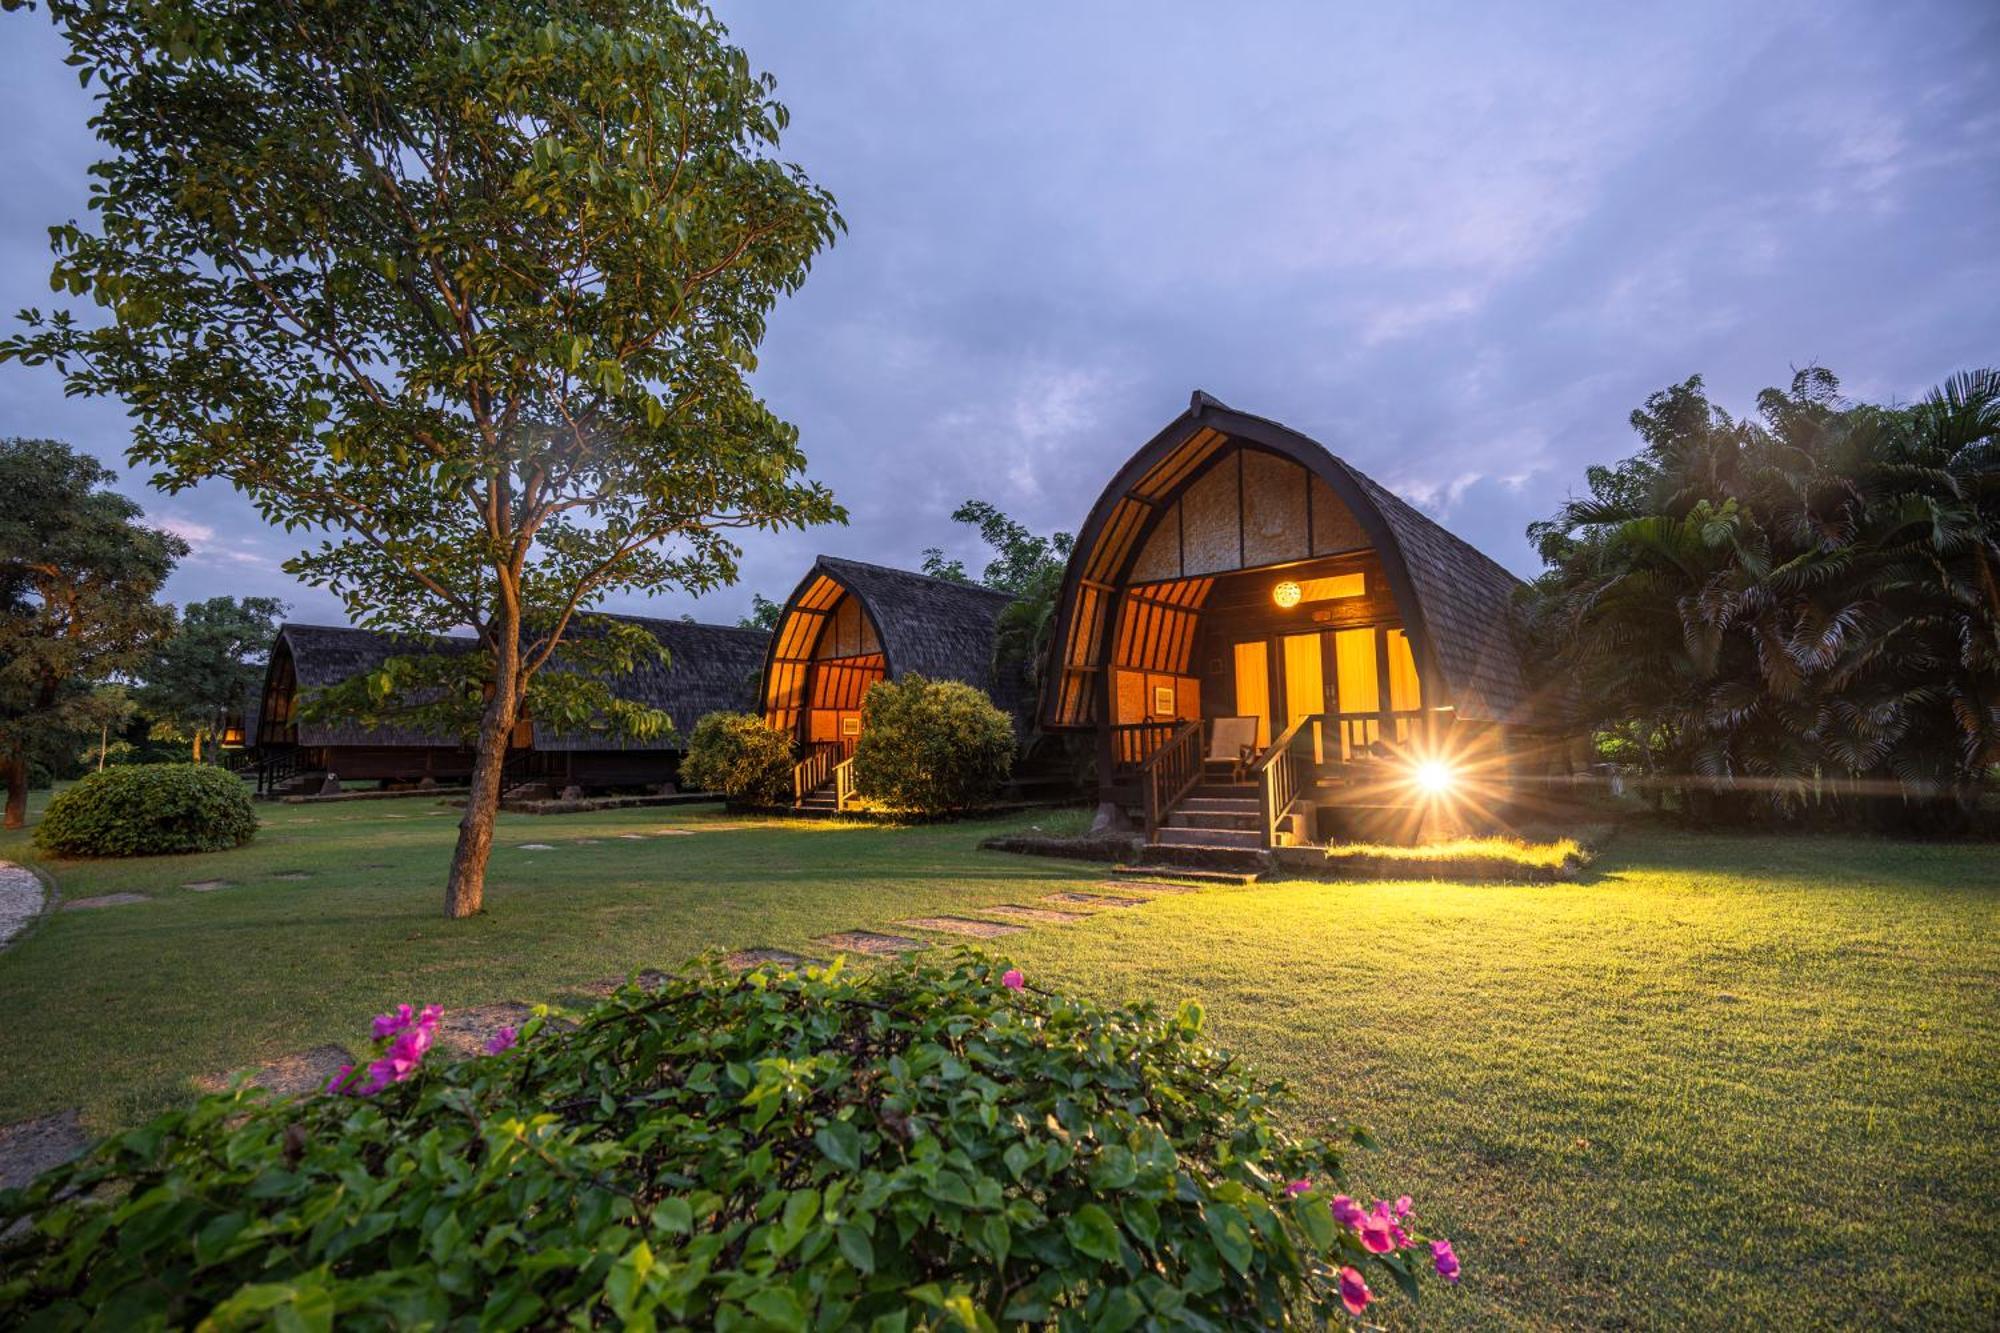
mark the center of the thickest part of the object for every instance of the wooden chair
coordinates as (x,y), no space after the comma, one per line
(1231,741)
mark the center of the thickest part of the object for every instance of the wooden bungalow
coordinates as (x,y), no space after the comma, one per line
(708,667)
(1272,648)
(849,625)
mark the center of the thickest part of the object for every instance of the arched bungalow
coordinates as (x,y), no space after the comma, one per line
(1234,569)
(850,624)
(707,668)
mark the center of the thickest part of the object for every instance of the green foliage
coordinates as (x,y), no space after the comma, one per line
(931,747)
(210,668)
(764,614)
(910,1148)
(78,574)
(472,287)
(740,756)
(1024,564)
(1797,610)
(148,810)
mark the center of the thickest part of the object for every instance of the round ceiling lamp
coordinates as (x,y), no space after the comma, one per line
(1287,594)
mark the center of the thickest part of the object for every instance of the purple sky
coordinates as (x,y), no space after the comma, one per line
(1455,245)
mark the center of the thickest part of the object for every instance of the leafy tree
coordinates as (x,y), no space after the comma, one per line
(1795,608)
(1024,564)
(78,574)
(469,288)
(210,668)
(115,707)
(764,614)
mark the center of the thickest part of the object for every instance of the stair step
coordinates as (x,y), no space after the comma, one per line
(1162,858)
(1217,805)
(1245,839)
(1145,872)
(1248,821)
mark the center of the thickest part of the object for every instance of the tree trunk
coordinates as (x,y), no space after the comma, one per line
(465,890)
(17,790)
(197,745)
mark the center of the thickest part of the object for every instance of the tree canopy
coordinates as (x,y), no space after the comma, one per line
(78,578)
(468,290)
(210,668)
(1796,607)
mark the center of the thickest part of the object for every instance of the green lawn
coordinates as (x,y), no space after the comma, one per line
(1725,1081)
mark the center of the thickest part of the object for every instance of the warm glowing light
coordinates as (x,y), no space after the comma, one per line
(1287,594)
(1434,777)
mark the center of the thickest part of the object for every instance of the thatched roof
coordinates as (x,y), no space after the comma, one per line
(1457,604)
(935,627)
(709,667)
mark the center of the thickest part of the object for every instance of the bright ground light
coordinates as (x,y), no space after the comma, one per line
(1433,776)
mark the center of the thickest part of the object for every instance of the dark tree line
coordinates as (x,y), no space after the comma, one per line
(1791,613)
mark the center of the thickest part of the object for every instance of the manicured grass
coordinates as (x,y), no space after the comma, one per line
(1513,851)
(1719,1081)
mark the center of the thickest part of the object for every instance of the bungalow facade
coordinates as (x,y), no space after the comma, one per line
(850,624)
(707,668)
(1271,648)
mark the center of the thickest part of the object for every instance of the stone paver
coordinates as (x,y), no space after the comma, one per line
(633,837)
(31,1147)
(206,885)
(745,959)
(1048,915)
(961,925)
(537,847)
(20,899)
(673,833)
(103,900)
(293,876)
(465,1032)
(299,1074)
(1091,902)
(870,942)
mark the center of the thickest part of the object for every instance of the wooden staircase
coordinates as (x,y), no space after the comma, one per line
(1215,826)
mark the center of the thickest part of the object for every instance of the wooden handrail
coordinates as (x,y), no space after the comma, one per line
(1284,771)
(843,783)
(1169,772)
(811,773)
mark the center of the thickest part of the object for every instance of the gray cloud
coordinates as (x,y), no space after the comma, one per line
(1458,244)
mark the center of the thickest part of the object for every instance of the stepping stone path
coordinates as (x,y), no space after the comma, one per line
(873,943)
(633,837)
(103,900)
(745,959)
(297,1075)
(206,885)
(538,846)
(1091,902)
(294,875)
(20,899)
(465,1032)
(673,833)
(585,842)
(961,925)
(1124,886)
(1048,915)
(33,1146)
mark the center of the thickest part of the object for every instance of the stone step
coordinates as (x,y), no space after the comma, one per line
(1165,858)
(1142,873)
(1217,805)
(1249,839)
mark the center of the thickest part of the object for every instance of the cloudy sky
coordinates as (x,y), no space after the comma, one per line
(1455,244)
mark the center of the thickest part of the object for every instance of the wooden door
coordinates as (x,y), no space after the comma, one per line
(1305,679)
(1253,686)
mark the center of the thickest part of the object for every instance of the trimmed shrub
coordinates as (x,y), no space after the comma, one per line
(148,810)
(739,755)
(905,1148)
(931,746)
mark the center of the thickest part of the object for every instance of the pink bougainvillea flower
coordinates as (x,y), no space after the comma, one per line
(1377,1236)
(503,1040)
(340,1077)
(1382,1220)
(388,1025)
(1013,980)
(1445,1259)
(1298,1187)
(1403,1206)
(1354,1293)
(1347,1212)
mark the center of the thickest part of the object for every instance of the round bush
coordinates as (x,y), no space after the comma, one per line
(908,1148)
(148,810)
(740,756)
(931,746)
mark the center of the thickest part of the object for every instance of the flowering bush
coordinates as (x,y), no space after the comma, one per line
(913,1148)
(149,810)
(931,746)
(741,756)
